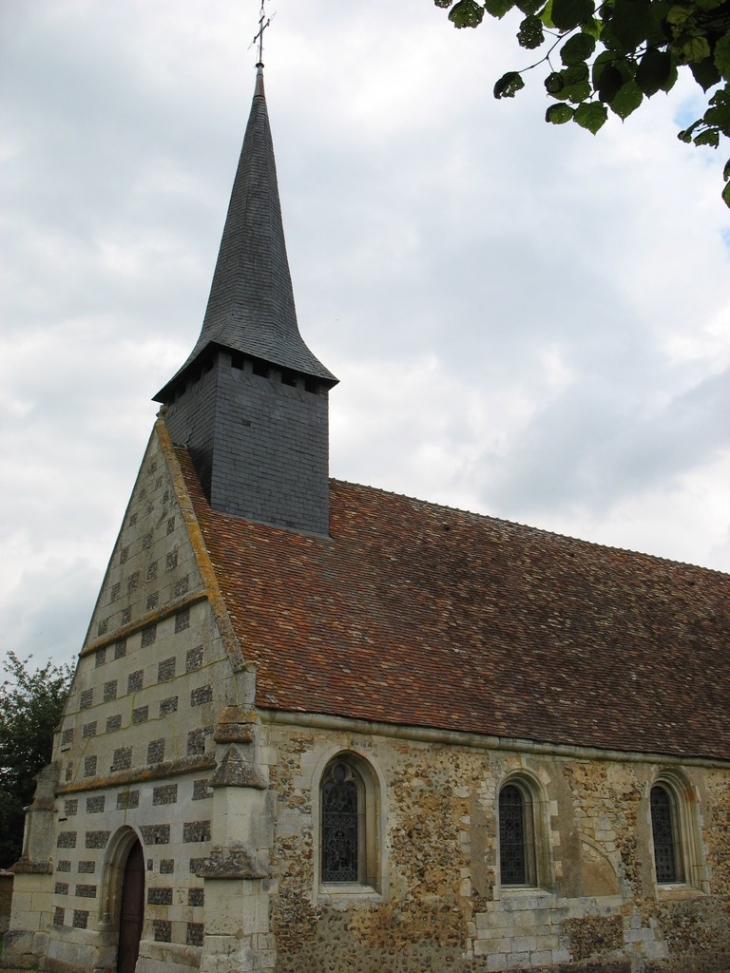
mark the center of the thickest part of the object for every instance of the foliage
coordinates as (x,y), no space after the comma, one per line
(31,704)
(614,54)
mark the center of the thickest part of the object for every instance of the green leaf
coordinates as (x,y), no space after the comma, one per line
(591,115)
(554,83)
(568,14)
(726,171)
(721,96)
(709,4)
(709,137)
(627,99)
(695,49)
(498,8)
(559,114)
(672,79)
(508,85)
(531,33)
(575,74)
(530,7)
(633,21)
(467,13)
(659,33)
(686,134)
(576,87)
(610,83)
(705,73)
(610,41)
(718,115)
(599,65)
(722,55)
(443,3)
(653,71)
(679,14)
(593,27)
(726,194)
(579,92)
(577,48)
(546,15)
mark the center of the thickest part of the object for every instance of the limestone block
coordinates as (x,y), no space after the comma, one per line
(225,954)
(74,955)
(527,921)
(488,920)
(240,812)
(224,903)
(25,921)
(17,945)
(236,861)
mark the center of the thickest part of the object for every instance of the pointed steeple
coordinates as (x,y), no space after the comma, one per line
(251,304)
(251,401)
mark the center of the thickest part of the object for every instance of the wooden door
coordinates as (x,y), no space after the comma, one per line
(132,911)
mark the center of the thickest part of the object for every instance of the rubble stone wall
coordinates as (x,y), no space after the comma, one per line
(437,905)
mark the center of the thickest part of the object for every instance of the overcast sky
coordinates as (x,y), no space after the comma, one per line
(527,321)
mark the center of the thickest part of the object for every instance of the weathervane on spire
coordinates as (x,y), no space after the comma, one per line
(264,22)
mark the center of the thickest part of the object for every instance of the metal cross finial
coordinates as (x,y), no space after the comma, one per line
(264,22)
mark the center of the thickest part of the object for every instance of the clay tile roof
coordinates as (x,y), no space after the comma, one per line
(417,614)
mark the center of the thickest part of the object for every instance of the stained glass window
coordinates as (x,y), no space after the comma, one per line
(662,827)
(512,849)
(341,822)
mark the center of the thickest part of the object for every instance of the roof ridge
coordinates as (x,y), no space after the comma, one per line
(531,527)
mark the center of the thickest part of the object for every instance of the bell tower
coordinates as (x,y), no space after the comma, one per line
(251,401)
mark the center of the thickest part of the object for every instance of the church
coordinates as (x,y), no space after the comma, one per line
(316,727)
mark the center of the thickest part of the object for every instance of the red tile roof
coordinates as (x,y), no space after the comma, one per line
(423,615)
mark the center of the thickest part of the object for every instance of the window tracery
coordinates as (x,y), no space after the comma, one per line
(342,832)
(663,826)
(512,852)
(522,853)
(349,852)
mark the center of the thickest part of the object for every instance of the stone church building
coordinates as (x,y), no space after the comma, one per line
(320,728)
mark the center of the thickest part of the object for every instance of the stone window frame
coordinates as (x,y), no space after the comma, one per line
(373,862)
(684,805)
(535,807)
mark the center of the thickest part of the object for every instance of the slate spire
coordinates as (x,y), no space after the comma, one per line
(251,304)
(251,401)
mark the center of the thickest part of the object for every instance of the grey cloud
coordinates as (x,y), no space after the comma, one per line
(520,323)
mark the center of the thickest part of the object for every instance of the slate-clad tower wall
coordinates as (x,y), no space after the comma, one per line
(258,436)
(251,401)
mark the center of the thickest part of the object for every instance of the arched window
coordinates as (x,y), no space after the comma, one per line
(517,853)
(343,831)
(348,830)
(665,834)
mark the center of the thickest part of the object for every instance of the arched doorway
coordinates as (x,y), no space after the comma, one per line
(131,913)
